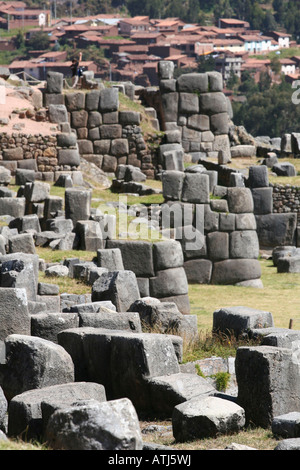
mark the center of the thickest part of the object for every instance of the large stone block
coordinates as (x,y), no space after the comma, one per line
(219,123)
(54,82)
(14,315)
(258,176)
(20,270)
(244,244)
(79,118)
(169,282)
(120,287)
(75,101)
(167,254)
(262,200)
(165,69)
(137,256)
(195,188)
(109,426)
(205,417)
(193,83)
(155,355)
(58,113)
(213,103)
(239,320)
(31,410)
(198,271)
(268,381)
(172,183)
(47,325)
(188,103)
(217,246)
(170,390)
(32,363)
(276,229)
(109,100)
(232,271)
(13,206)
(240,200)
(77,204)
(170,106)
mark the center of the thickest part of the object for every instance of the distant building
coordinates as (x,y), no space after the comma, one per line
(283,39)
(15,15)
(233,23)
(229,63)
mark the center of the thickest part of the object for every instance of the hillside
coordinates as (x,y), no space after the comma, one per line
(261,15)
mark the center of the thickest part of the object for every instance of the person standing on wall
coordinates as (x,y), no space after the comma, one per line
(75,70)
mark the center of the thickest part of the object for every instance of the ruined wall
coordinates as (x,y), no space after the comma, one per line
(195,106)
(32,152)
(215,225)
(106,135)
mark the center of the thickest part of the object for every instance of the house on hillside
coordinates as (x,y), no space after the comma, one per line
(283,39)
(15,16)
(288,66)
(128,26)
(228,63)
(255,43)
(233,23)
(168,25)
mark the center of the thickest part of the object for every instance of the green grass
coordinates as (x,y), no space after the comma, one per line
(280,296)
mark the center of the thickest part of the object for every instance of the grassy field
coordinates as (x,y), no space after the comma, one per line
(279,295)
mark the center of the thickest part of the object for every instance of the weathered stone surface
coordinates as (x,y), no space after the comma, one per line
(58,113)
(244,244)
(195,188)
(258,176)
(109,100)
(262,200)
(169,282)
(206,417)
(109,425)
(155,355)
(240,320)
(276,229)
(54,82)
(20,270)
(167,254)
(268,382)
(198,271)
(48,325)
(14,315)
(217,246)
(193,83)
(231,271)
(287,425)
(77,204)
(137,256)
(120,287)
(169,391)
(31,410)
(75,101)
(289,444)
(32,363)
(240,200)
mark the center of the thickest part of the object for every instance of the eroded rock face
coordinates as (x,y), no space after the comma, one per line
(110,425)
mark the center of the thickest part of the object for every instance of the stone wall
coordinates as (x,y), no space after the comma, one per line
(286,198)
(31,152)
(215,225)
(106,135)
(195,107)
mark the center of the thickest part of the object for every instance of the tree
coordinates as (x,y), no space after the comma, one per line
(39,41)
(19,40)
